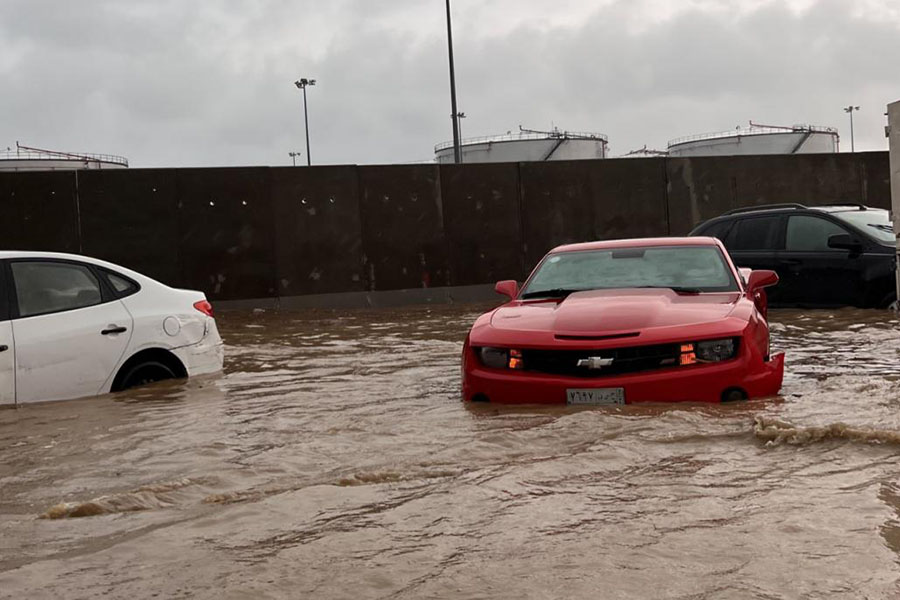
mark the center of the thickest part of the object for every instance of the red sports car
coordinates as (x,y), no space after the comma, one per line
(617,322)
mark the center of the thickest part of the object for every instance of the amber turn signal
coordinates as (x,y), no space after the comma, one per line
(687,355)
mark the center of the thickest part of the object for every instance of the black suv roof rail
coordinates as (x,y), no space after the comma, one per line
(765,207)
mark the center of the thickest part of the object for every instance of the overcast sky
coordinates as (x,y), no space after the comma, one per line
(191,83)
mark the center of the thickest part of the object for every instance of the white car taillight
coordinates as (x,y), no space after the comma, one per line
(205,307)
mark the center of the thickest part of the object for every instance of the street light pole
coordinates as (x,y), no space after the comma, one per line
(457,151)
(850,110)
(302,84)
(294,156)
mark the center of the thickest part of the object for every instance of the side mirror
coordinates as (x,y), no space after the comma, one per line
(761,279)
(843,241)
(508,287)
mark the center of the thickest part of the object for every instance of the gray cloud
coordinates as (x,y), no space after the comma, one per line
(170,83)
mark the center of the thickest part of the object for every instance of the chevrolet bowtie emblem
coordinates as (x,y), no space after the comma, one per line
(595,362)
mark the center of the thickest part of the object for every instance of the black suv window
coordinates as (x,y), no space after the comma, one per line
(48,287)
(756,233)
(810,234)
(719,230)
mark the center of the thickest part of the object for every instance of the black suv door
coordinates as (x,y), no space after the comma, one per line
(754,241)
(812,274)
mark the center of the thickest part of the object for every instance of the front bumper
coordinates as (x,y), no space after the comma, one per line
(694,383)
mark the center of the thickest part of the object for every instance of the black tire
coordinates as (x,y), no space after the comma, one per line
(734,395)
(146,372)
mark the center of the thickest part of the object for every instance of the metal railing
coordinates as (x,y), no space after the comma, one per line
(752,130)
(515,137)
(23,154)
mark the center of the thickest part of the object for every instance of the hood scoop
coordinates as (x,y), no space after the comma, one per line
(597,338)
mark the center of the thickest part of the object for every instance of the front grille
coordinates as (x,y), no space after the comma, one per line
(625,360)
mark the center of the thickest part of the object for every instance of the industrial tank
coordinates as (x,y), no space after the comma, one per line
(527,146)
(758,139)
(25,158)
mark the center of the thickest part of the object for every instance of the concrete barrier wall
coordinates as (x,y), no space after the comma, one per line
(318,235)
(483,222)
(39,211)
(629,198)
(226,232)
(401,213)
(702,188)
(291,232)
(131,218)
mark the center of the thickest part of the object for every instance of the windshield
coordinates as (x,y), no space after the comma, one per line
(873,221)
(689,269)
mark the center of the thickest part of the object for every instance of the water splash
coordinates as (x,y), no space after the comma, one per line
(775,432)
(148,497)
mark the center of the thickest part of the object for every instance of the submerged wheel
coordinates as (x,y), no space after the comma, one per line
(146,372)
(734,395)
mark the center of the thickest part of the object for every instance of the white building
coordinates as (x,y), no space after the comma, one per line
(527,146)
(758,139)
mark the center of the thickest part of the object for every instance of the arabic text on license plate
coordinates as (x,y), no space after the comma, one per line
(596,396)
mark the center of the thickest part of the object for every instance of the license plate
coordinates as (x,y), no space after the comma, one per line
(596,396)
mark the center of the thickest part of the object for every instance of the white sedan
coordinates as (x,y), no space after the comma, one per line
(73,326)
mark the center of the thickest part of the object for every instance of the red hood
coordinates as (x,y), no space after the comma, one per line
(602,312)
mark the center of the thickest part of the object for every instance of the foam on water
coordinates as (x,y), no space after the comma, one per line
(148,497)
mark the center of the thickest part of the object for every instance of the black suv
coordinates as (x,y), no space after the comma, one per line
(836,255)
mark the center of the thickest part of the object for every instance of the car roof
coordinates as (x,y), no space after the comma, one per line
(12,254)
(638,242)
(7,254)
(835,208)
(793,206)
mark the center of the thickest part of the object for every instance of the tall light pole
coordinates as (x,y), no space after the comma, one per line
(294,156)
(302,84)
(850,110)
(457,151)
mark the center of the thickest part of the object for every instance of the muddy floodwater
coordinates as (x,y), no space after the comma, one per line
(334,459)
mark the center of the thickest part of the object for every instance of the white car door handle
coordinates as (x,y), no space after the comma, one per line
(113,329)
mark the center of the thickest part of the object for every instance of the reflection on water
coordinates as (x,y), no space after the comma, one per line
(334,459)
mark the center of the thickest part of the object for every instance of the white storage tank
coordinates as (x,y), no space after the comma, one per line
(758,139)
(527,146)
(25,158)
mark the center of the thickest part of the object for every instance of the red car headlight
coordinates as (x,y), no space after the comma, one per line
(716,350)
(501,358)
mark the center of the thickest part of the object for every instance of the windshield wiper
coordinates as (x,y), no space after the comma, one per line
(551,293)
(881,226)
(674,288)
(563,292)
